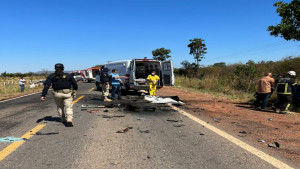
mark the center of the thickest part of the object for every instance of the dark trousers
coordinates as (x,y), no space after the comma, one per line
(262,100)
(22,88)
(284,102)
(116,88)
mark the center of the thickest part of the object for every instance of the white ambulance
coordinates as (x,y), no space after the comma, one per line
(137,71)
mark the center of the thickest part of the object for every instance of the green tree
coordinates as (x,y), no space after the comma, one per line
(289,28)
(161,54)
(220,64)
(197,49)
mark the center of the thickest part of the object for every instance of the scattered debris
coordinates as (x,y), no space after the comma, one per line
(216,120)
(243,132)
(274,145)
(131,107)
(178,125)
(141,119)
(201,134)
(105,111)
(109,117)
(262,141)
(270,119)
(143,131)
(149,108)
(88,106)
(161,100)
(11,139)
(93,111)
(124,130)
(173,120)
(148,157)
(50,133)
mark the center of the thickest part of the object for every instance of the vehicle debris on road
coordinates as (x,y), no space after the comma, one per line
(274,145)
(109,117)
(93,111)
(160,100)
(11,139)
(49,133)
(124,130)
(178,125)
(169,120)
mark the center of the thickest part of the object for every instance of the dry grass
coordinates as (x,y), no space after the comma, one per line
(13,89)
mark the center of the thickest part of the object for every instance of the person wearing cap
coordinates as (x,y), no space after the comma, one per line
(284,92)
(64,90)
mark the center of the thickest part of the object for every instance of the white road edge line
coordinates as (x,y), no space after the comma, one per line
(18,97)
(269,159)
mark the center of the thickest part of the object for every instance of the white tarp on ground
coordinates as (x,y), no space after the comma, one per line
(160,100)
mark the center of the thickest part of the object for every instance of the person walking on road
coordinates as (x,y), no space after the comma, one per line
(104,81)
(64,90)
(22,83)
(116,84)
(264,91)
(152,79)
(284,92)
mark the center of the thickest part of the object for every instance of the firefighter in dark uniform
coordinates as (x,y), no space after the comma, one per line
(64,90)
(284,92)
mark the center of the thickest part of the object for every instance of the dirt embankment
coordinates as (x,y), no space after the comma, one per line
(261,128)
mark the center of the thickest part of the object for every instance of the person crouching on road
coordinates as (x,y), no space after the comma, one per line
(284,89)
(62,84)
(152,79)
(22,84)
(116,84)
(104,81)
(264,91)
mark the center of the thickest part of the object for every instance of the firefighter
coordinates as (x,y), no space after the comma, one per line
(284,92)
(152,79)
(64,90)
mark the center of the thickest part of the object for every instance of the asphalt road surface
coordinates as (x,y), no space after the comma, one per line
(150,142)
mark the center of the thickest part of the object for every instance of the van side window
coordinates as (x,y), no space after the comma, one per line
(166,66)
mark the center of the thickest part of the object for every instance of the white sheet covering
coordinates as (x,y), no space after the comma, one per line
(160,100)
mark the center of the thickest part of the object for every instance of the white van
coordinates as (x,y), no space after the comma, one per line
(137,71)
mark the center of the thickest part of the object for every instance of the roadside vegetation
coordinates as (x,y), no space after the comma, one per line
(10,88)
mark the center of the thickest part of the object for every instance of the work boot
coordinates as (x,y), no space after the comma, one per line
(107,99)
(69,122)
(63,119)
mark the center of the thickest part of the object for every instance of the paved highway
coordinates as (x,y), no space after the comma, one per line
(150,142)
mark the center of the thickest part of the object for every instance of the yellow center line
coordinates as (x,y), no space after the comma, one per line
(79,98)
(269,159)
(91,89)
(13,146)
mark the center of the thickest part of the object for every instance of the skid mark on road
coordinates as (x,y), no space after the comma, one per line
(15,145)
(271,160)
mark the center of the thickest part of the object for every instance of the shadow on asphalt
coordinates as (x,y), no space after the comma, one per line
(49,118)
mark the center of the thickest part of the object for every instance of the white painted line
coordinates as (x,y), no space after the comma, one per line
(18,97)
(269,159)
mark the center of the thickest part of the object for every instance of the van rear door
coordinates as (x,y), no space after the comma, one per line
(168,78)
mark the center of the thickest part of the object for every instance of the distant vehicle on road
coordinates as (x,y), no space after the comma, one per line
(78,74)
(91,74)
(137,71)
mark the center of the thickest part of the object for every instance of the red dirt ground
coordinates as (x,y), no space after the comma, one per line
(234,116)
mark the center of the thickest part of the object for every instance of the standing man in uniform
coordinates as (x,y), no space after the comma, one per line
(104,81)
(62,84)
(152,79)
(284,92)
(264,91)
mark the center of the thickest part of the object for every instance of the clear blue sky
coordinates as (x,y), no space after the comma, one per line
(36,34)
